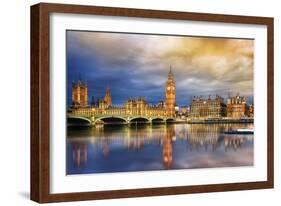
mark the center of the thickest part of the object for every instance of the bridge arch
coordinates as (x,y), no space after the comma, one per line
(157,119)
(77,120)
(139,118)
(111,117)
(170,119)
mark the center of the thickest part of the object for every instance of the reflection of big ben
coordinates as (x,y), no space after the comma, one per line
(167,148)
(170,94)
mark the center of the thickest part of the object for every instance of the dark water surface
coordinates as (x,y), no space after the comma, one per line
(122,148)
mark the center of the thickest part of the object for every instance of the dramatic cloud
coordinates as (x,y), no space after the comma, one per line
(137,65)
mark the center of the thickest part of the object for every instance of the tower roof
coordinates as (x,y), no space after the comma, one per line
(170,75)
(107,89)
(107,97)
(170,69)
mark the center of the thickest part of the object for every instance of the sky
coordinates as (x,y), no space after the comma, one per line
(134,65)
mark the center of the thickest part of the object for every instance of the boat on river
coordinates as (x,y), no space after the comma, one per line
(240,131)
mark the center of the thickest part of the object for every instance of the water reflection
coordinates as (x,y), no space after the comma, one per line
(156,147)
(79,154)
(205,137)
(233,141)
(167,147)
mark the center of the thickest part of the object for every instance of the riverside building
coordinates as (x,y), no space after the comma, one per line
(207,108)
(237,107)
(79,94)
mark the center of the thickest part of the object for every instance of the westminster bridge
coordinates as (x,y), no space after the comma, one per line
(92,116)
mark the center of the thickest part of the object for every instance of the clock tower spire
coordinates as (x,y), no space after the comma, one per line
(170,94)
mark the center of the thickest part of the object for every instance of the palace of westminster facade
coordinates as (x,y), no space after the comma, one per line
(236,107)
(132,107)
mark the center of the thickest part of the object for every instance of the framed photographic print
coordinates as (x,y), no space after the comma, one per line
(131,102)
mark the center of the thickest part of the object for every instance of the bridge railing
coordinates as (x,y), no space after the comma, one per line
(147,112)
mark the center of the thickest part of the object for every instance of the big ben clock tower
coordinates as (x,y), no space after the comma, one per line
(170,94)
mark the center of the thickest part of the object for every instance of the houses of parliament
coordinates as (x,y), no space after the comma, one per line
(132,107)
(235,107)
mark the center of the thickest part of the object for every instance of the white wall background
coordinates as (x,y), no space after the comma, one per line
(15,99)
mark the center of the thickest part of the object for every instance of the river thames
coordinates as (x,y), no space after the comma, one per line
(122,148)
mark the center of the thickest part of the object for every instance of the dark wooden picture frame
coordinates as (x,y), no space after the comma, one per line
(40,98)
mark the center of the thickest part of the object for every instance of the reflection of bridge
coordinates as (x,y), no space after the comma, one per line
(92,119)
